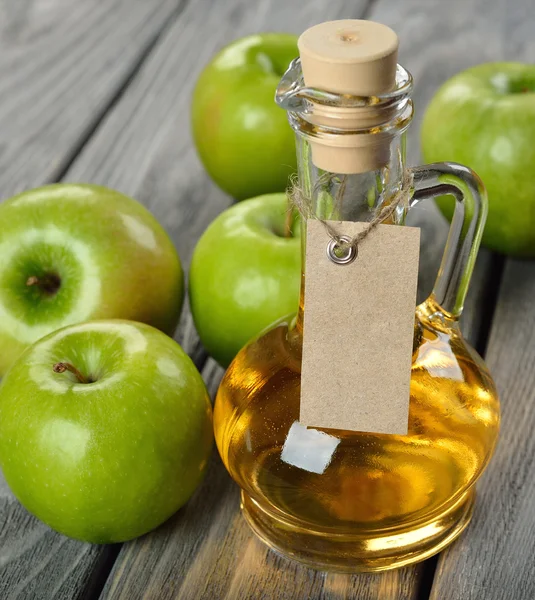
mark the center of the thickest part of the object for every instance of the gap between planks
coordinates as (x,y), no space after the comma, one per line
(91,129)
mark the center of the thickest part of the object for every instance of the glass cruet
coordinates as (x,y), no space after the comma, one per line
(344,500)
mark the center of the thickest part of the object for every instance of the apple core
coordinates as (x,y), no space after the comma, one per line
(49,283)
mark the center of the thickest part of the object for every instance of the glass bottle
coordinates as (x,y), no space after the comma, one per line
(356,501)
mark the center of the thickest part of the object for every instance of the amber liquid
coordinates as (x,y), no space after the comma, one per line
(353,501)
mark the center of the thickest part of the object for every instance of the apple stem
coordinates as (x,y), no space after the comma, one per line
(49,282)
(61,367)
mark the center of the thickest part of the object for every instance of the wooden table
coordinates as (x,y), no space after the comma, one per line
(99,91)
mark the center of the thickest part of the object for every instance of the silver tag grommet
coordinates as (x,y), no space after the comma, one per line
(338,255)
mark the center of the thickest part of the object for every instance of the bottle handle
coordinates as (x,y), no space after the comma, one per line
(460,253)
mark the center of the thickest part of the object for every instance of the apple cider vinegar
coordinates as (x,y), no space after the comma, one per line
(348,500)
(375,494)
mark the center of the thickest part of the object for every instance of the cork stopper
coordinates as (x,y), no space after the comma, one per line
(349,57)
(357,58)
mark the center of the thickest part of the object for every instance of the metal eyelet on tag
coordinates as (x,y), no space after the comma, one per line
(342,258)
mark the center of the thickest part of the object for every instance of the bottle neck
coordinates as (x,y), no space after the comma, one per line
(362,135)
(342,197)
(354,197)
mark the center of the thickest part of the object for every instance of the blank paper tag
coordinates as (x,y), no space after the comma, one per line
(359,330)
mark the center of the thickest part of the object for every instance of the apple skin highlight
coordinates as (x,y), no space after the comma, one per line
(111,458)
(484,117)
(245,274)
(71,253)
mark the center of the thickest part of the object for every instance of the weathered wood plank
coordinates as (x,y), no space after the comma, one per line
(494,558)
(61,64)
(424,28)
(437,40)
(210,560)
(36,562)
(206,550)
(143,148)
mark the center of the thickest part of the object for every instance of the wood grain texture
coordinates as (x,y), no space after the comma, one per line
(438,39)
(207,551)
(426,52)
(144,148)
(61,64)
(494,559)
(36,562)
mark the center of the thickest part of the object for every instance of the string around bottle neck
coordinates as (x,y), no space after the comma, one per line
(304,205)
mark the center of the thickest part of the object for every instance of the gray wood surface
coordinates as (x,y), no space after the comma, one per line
(426,29)
(206,551)
(220,558)
(99,90)
(207,560)
(493,560)
(62,63)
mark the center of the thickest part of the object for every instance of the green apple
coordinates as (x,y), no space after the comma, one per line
(242,137)
(484,117)
(245,274)
(105,429)
(71,253)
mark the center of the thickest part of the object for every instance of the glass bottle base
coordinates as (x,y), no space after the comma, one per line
(366,552)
